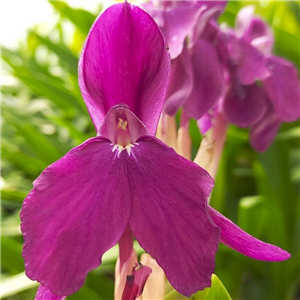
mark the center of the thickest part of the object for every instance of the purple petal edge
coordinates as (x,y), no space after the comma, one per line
(122,64)
(44,293)
(237,239)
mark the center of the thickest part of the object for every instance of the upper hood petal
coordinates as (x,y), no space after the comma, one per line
(124,61)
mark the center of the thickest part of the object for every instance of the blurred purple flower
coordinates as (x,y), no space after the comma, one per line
(246,55)
(125,179)
(196,80)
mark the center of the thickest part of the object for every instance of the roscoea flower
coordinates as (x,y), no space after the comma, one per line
(263,89)
(81,204)
(196,81)
(125,179)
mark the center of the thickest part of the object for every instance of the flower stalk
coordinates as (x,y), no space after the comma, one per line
(211,147)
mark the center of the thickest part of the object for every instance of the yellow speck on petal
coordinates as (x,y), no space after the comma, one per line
(122,124)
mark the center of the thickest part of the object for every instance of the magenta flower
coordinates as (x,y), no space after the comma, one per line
(81,205)
(125,179)
(246,54)
(196,81)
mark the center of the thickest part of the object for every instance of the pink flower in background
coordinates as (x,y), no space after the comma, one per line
(231,71)
(247,57)
(196,81)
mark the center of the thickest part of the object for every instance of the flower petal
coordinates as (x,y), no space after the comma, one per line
(254,30)
(124,61)
(283,89)
(251,62)
(244,104)
(208,80)
(243,20)
(181,83)
(44,293)
(178,24)
(264,131)
(169,217)
(78,209)
(207,120)
(205,27)
(237,239)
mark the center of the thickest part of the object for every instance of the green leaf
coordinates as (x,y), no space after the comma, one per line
(41,145)
(85,293)
(293,133)
(16,196)
(251,214)
(217,291)
(295,8)
(82,19)
(38,79)
(11,258)
(174,295)
(65,55)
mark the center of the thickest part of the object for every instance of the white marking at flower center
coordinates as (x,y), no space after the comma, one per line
(120,148)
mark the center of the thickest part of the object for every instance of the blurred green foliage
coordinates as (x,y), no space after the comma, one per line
(44,116)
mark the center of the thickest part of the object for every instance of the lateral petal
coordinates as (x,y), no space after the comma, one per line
(237,239)
(124,61)
(78,209)
(169,214)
